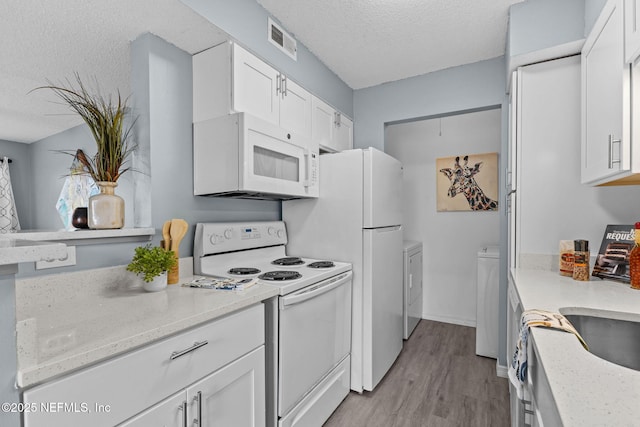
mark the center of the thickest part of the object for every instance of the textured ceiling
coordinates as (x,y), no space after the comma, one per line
(50,40)
(369,42)
(365,42)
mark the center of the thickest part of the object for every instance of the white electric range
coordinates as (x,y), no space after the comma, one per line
(309,341)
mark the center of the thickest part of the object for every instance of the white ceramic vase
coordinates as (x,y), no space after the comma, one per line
(157,284)
(106,210)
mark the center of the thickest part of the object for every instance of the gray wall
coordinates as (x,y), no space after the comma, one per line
(468,87)
(20,171)
(246,22)
(540,24)
(162,92)
(161,80)
(449,239)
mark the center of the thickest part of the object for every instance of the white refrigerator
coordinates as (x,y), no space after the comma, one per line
(358,219)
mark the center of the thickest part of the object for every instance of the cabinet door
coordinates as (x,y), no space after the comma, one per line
(295,108)
(605,90)
(233,395)
(344,133)
(632,30)
(171,412)
(256,86)
(323,124)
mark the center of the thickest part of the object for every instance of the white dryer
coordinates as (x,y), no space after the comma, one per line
(412,312)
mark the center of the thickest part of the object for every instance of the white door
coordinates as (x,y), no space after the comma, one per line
(344,133)
(295,108)
(255,86)
(231,396)
(273,160)
(314,336)
(382,189)
(171,412)
(382,302)
(605,91)
(414,297)
(323,124)
(631,30)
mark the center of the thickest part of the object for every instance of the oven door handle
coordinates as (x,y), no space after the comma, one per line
(315,290)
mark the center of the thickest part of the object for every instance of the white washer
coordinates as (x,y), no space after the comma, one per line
(487,302)
(412,312)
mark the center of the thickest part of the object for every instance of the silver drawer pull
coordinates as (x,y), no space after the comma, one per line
(196,345)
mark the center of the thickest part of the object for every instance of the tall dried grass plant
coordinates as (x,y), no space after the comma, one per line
(106,119)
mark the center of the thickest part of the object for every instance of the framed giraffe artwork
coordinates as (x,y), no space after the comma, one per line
(468,182)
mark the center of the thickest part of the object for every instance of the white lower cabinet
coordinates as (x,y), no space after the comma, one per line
(222,361)
(232,396)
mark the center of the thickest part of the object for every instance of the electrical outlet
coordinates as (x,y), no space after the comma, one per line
(69,260)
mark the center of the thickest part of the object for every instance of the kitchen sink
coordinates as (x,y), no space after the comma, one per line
(615,340)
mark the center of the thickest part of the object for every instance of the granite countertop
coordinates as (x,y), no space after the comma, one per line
(72,325)
(587,390)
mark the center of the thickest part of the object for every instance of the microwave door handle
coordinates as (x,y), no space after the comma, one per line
(307,165)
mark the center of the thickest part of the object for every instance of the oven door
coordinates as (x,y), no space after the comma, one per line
(276,161)
(315,336)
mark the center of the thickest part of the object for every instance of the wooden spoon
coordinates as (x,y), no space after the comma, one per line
(177,231)
(166,236)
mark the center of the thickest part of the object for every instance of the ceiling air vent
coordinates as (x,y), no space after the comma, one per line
(282,40)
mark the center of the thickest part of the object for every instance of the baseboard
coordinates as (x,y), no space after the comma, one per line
(452,320)
(502,370)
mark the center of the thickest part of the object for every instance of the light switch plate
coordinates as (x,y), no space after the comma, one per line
(69,260)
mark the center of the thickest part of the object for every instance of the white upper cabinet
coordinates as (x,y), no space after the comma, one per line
(632,30)
(332,130)
(256,86)
(607,147)
(229,79)
(295,107)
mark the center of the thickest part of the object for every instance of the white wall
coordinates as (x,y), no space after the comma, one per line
(552,203)
(450,239)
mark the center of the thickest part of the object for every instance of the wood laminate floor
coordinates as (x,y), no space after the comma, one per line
(436,381)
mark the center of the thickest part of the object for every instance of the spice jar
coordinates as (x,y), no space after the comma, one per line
(581,260)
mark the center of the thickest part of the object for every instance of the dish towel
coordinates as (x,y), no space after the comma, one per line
(538,318)
(8,215)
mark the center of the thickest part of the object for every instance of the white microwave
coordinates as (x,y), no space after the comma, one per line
(240,155)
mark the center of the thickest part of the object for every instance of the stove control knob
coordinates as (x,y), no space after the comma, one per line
(280,233)
(271,231)
(228,233)
(216,239)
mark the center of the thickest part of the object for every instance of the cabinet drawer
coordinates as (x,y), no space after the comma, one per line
(132,382)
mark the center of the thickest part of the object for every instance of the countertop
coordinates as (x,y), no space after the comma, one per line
(587,390)
(71,326)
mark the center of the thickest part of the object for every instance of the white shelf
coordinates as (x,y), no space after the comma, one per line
(84,237)
(14,251)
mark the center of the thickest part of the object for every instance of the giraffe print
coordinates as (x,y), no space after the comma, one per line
(463,181)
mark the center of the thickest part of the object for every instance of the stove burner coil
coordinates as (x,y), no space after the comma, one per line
(290,260)
(280,275)
(321,264)
(243,271)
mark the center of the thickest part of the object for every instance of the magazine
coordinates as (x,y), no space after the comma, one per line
(222,283)
(612,261)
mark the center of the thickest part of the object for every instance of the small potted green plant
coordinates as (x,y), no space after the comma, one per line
(152,263)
